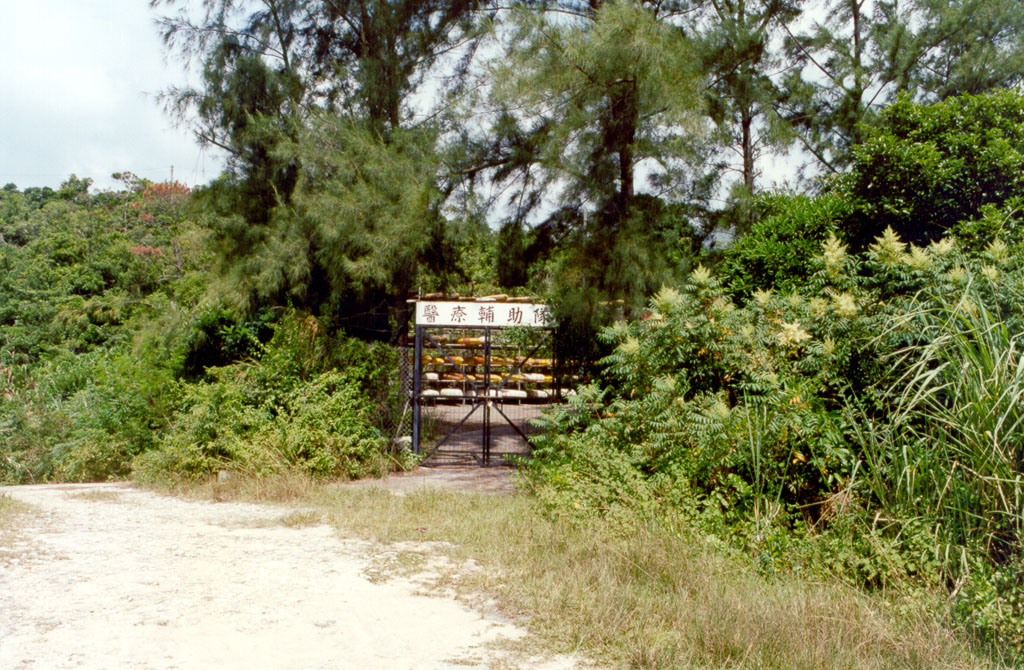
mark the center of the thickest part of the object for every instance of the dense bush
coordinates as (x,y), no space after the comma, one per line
(739,406)
(778,250)
(115,352)
(869,426)
(320,427)
(75,272)
(926,168)
(308,402)
(82,276)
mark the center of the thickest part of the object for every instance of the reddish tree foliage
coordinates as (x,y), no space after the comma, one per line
(143,250)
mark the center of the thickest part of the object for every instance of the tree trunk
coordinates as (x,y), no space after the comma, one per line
(746,128)
(621,138)
(857,95)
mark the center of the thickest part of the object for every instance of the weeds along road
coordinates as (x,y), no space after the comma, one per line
(108,576)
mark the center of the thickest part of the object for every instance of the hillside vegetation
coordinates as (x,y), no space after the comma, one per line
(837,394)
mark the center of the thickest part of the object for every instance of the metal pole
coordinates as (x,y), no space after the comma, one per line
(417,388)
(487,397)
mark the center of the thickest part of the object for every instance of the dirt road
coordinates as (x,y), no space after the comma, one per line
(107,576)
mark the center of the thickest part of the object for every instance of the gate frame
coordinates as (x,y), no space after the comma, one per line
(484,400)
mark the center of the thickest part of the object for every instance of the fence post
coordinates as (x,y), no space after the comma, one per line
(417,376)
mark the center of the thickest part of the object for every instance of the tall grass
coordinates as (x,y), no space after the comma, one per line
(952,452)
(646,594)
(283,486)
(766,491)
(10,511)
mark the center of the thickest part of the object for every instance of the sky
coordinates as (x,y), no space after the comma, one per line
(79,81)
(78,95)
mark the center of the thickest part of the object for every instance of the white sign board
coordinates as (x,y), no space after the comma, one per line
(493,314)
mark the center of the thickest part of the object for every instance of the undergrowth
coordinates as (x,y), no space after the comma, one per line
(865,426)
(642,594)
(634,592)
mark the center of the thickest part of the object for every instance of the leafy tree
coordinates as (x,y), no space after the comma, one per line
(75,189)
(857,59)
(589,100)
(38,196)
(777,253)
(76,270)
(926,168)
(738,55)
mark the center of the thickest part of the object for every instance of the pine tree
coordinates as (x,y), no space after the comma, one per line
(593,94)
(331,200)
(268,64)
(740,56)
(862,54)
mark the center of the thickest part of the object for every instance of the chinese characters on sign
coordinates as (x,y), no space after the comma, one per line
(496,314)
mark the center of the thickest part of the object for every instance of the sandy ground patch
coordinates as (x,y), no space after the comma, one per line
(466,479)
(108,576)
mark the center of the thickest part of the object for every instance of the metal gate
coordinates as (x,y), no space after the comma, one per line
(476,386)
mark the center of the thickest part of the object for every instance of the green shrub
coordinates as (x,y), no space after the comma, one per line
(925,168)
(868,426)
(779,250)
(27,428)
(310,402)
(991,606)
(320,427)
(84,418)
(726,410)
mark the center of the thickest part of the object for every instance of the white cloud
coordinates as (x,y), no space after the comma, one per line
(78,95)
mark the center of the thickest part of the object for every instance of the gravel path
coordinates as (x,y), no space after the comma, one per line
(107,576)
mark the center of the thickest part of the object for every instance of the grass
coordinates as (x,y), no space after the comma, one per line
(300,518)
(397,564)
(11,512)
(950,452)
(646,597)
(630,595)
(96,496)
